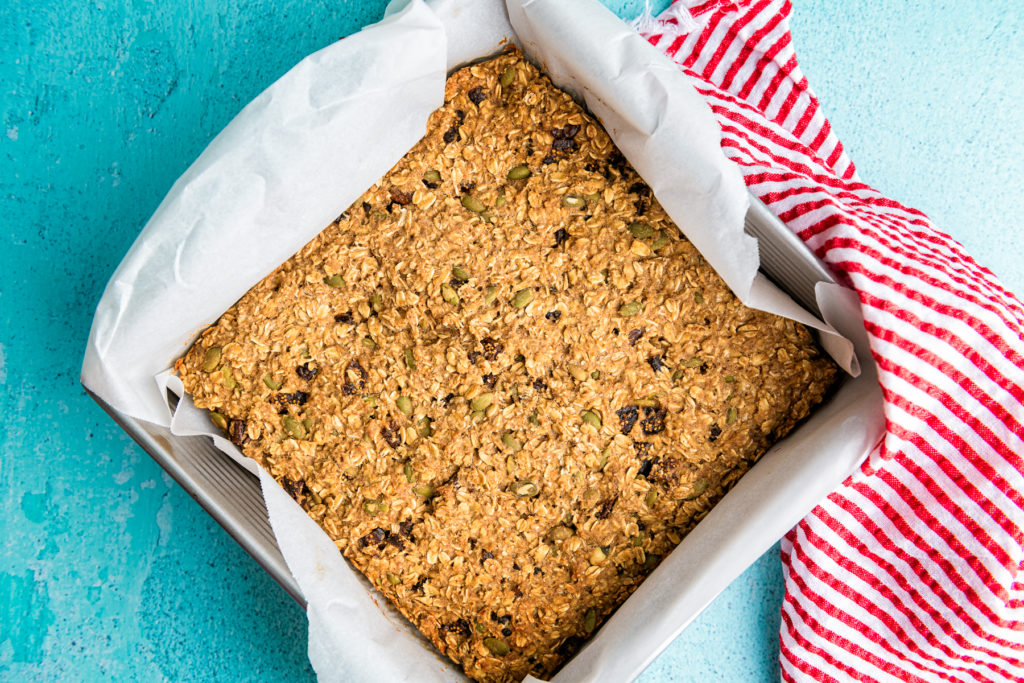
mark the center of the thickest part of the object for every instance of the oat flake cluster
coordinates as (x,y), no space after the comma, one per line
(501,381)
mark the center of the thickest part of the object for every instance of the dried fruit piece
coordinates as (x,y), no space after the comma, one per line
(211,359)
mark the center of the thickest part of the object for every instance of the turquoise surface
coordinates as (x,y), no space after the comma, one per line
(108,571)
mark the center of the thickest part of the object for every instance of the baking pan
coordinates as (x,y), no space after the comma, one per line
(232,495)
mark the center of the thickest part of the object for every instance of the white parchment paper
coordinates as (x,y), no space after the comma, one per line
(301,152)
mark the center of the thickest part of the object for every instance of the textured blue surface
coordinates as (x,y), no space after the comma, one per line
(107,569)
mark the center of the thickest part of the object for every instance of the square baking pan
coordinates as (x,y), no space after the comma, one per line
(232,495)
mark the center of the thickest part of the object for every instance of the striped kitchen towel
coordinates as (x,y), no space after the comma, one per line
(912,570)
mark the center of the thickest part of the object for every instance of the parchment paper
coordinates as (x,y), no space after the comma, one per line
(300,153)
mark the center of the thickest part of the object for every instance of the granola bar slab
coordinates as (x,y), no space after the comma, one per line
(502,381)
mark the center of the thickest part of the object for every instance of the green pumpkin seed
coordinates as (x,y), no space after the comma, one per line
(650,562)
(308,424)
(507,77)
(525,489)
(694,362)
(603,461)
(371,399)
(533,419)
(497,646)
(578,373)
(659,243)
(271,382)
(560,533)
(473,204)
(730,379)
(678,374)
(477,415)
(730,417)
(410,362)
(449,294)
(511,442)
(376,302)
(335,281)
(219,420)
(480,628)
(651,499)
(424,490)
(369,343)
(593,197)
(293,427)
(404,404)
(229,380)
(641,230)
(432,176)
(596,374)
(482,402)
(699,487)
(211,359)
(590,620)
(631,309)
(592,418)
(510,464)
(572,201)
(490,292)
(426,427)
(393,579)
(637,541)
(500,201)
(646,403)
(460,274)
(315,498)
(371,506)
(410,476)
(519,173)
(590,497)
(698,297)
(522,297)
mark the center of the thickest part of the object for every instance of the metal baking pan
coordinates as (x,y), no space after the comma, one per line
(233,497)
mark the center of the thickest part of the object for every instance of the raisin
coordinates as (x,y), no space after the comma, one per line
(376,537)
(654,420)
(431,185)
(490,380)
(645,467)
(236,432)
(715,432)
(606,508)
(367,207)
(395,540)
(345,318)
(549,159)
(564,146)
(506,631)
(703,368)
(476,95)
(540,385)
(392,433)
(492,347)
(400,197)
(473,357)
(418,586)
(592,167)
(657,363)
(447,400)
(460,116)
(452,134)
(295,489)
(560,236)
(553,316)
(307,371)
(466,187)
(627,418)
(486,555)
(640,188)
(634,336)
(566,132)
(405,529)
(641,206)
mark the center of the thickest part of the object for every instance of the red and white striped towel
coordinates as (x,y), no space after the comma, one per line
(912,570)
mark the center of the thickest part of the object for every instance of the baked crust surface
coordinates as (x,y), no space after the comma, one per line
(505,398)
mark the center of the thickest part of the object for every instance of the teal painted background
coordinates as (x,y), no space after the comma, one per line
(108,571)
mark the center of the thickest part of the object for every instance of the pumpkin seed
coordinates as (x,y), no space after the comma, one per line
(730,379)
(500,201)
(497,646)
(603,461)
(426,427)
(651,499)
(596,374)
(646,403)
(698,489)
(219,420)
(519,173)
(472,203)
(660,242)
(369,343)
(560,533)
(308,425)
(335,281)
(490,292)
(271,382)
(482,402)
(640,230)
(694,362)
(730,417)
(592,418)
(371,506)
(637,541)
(460,274)
(410,362)
(511,442)
(533,419)
(404,404)
(522,297)
(507,77)
(229,380)
(293,427)
(698,297)
(315,497)
(631,309)
(477,415)
(211,359)
(593,197)
(578,373)
(393,579)
(525,489)
(678,374)
(590,497)
(449,295)
(432,176)
(410,476)
(480,628)
(371,399)
(572,201)
(510,464)
(650,562)
(590,620)
(376,302)
(424,490)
